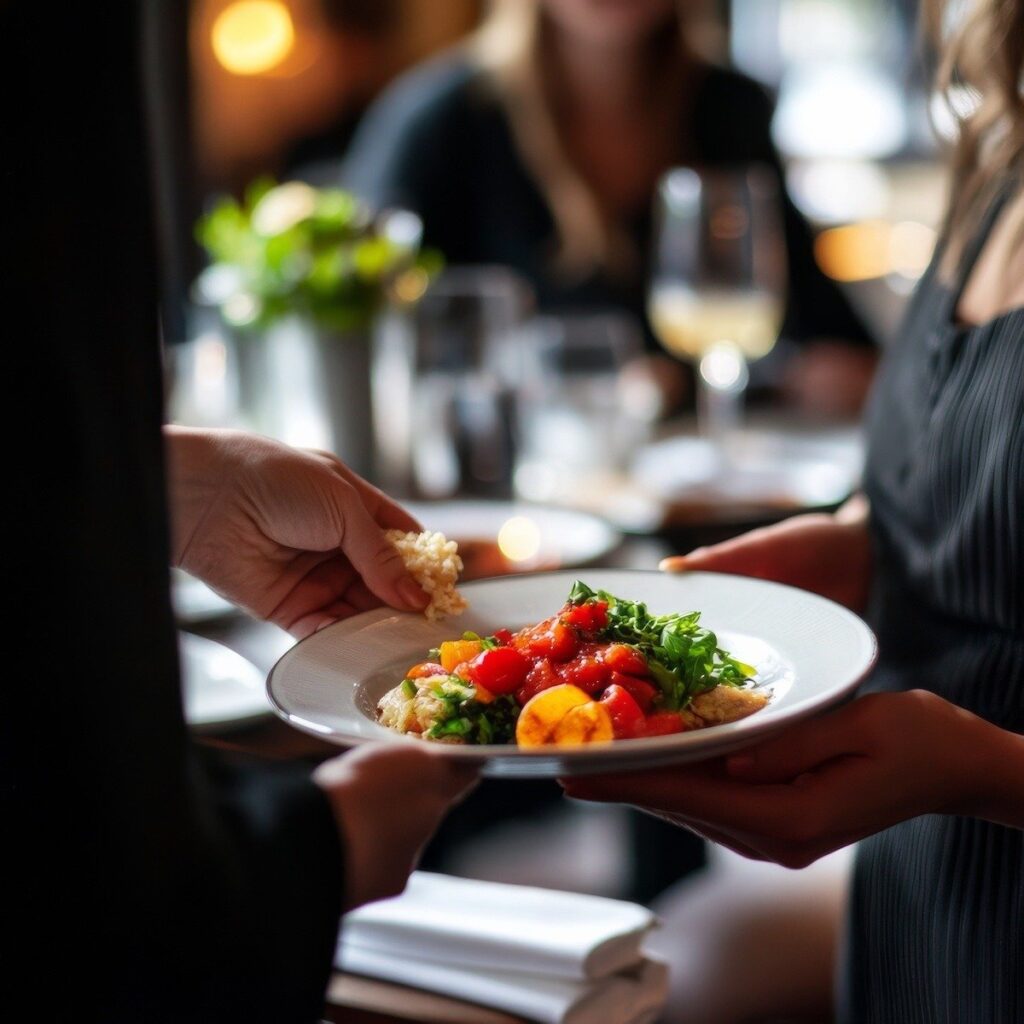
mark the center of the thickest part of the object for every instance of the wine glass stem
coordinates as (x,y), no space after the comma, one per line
(719,412)
(722,377)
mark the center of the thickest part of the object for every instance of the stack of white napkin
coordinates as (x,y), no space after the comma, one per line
(551,957)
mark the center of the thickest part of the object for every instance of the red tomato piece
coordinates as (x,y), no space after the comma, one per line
(542,676)
(587,672)
(549,639)
(591,617)
(627,718)
(503,636)
(499,670)
(642,691)
(626,659)
(663,723)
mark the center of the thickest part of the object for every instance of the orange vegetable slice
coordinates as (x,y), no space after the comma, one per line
(541,715)
(588,723)
(455,652)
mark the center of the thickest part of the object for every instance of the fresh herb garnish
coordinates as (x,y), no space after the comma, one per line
(464,716)
(684,658)
(487,643)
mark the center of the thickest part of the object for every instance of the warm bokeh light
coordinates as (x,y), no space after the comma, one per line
(251,37)
(875,248)
(411,285)
(519,539)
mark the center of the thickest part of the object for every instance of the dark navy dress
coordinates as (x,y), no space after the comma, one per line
(936,931)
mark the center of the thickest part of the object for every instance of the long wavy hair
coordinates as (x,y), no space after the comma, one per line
(981,75)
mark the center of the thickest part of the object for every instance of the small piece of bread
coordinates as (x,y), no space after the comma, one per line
(726,704)
(434,563)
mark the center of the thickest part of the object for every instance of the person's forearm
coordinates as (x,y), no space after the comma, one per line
(195,474)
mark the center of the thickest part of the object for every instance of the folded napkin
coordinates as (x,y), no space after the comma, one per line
(553,957)
(635,996)
(515,927)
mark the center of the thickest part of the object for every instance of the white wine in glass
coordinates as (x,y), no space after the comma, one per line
(717,292)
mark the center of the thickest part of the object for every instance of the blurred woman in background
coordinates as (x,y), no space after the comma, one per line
(927,769)
(539,146)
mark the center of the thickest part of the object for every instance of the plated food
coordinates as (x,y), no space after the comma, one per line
(809,654)
(601,668)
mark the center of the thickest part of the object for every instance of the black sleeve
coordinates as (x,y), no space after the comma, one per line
(148,882)
(733,124)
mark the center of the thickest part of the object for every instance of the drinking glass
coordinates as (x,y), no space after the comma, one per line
(718,281)
(444,378)
(578,410)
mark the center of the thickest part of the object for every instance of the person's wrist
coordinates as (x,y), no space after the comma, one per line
(994,759)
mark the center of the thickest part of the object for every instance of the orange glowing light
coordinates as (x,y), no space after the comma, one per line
(251,37)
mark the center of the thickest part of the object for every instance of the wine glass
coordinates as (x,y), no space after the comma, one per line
(718,282)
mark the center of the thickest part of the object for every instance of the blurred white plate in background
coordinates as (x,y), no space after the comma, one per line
(775,468)
(521,537)
(221,688)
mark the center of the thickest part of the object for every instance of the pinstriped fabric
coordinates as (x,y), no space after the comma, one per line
(936,926)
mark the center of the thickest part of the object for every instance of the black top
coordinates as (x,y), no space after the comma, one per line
(439,142)
(148,884)
(937,914)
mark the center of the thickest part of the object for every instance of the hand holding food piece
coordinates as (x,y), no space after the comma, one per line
(292,536)
(387,803)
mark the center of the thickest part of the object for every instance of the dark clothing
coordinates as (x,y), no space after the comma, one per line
(438,142)
(937,914)
(148,883)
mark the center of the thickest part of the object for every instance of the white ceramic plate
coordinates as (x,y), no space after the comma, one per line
(809,654)
(558,537)
(222,689)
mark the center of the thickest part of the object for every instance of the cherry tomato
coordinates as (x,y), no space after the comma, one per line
(588,673)
(499,670)
(626,659)
(503,636)
(542,676)
(663,723)
(591,617)
(643,692)
(549,639)
(627,718)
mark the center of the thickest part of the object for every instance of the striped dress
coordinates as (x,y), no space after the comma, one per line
(936,926)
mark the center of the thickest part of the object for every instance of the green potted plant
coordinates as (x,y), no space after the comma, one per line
(299,275)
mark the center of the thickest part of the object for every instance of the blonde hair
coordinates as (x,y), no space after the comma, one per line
(981,76)
(509,48)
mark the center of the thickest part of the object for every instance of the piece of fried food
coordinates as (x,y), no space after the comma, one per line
(434,563)
(726,704)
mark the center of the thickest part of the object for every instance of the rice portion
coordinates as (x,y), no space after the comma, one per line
(433,561)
